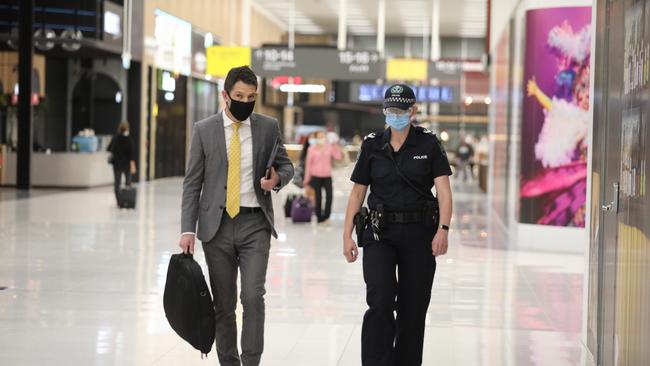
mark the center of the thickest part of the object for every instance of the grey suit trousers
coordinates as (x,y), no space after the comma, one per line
(244,243)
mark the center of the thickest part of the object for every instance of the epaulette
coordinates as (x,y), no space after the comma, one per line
(370,136)
(425,131)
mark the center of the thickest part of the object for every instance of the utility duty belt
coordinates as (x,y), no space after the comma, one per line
(378,219)
(408,217)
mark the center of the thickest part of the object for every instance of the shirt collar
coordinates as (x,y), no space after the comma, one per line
(411,139)
(227,121)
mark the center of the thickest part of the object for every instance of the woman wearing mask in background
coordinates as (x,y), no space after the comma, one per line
(299,176)
(123,160)
(318,172)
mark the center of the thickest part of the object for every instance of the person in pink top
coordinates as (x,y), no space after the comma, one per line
(318,172)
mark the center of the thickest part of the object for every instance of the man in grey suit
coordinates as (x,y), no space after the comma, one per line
(227,192)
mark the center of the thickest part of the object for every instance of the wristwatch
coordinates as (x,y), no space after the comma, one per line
(444,227)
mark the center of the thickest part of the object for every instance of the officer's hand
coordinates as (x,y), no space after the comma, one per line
(350,250)
(187,243)
(440,243)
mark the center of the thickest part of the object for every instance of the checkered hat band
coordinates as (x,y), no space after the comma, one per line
(400,100)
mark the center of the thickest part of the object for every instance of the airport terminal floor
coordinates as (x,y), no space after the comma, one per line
(85,283)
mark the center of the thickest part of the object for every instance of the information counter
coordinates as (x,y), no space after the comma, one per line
(61,169)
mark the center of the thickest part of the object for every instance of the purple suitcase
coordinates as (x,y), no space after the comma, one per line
(302,209)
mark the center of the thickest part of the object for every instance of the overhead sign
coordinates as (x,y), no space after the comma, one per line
(360,93)
(407,69)
(324,63)
(221,59)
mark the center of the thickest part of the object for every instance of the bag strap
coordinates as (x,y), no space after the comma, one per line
(389,152)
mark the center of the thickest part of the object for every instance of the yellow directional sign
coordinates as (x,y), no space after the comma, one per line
(221,59)
(406,69)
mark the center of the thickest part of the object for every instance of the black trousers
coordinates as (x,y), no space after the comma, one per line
(117,174)
(318,184)
(385,339)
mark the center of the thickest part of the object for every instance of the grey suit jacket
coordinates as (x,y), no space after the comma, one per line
(204,187)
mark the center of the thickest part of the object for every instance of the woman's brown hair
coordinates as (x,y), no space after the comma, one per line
(123,127)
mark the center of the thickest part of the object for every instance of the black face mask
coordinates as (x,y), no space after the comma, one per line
(241,110)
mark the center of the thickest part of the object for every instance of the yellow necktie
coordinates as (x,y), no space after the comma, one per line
(234,177)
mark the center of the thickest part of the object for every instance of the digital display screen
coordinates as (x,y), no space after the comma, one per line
(112,24)
(425,93)
(174,43)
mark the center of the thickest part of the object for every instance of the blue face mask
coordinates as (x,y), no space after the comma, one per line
(398,121)
(312,141)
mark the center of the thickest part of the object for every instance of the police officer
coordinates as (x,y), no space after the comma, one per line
(400,165)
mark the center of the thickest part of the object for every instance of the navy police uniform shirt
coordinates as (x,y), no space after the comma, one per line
(421,159)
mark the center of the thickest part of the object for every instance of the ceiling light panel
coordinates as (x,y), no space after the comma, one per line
(461,18)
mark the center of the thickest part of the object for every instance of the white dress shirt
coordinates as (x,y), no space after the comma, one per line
(247,189)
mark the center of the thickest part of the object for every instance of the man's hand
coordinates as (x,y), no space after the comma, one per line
(269,184)
(440,243)
(350,250)
(187,243)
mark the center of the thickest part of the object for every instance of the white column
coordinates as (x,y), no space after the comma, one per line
(343,24)
(246,23)
(425,42)
(292,25)
(435,30)
(292,44)
(288,112)
(381,27)
(232,30)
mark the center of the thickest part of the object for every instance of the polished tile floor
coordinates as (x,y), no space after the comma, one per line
(85,283)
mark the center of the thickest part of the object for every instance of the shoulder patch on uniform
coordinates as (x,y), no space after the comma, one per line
(370,136)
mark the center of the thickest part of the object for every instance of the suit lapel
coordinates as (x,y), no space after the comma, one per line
(257,139)
(220,138)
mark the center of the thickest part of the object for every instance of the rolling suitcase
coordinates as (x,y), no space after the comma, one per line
(126,197)
(288,204)
(302,209)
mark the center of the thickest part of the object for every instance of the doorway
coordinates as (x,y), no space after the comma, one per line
(171,121)
(96,103)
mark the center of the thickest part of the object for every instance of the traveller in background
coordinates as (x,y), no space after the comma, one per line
(299,174)
(318,172)
(356,139)
(309,140)
(403,235)
(123,156)
(465,156)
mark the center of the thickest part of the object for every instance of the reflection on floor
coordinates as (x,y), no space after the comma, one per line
(85,283)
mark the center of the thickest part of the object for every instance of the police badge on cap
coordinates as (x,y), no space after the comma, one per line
(399,96)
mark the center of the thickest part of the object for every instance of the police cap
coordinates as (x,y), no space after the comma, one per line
(399,96)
